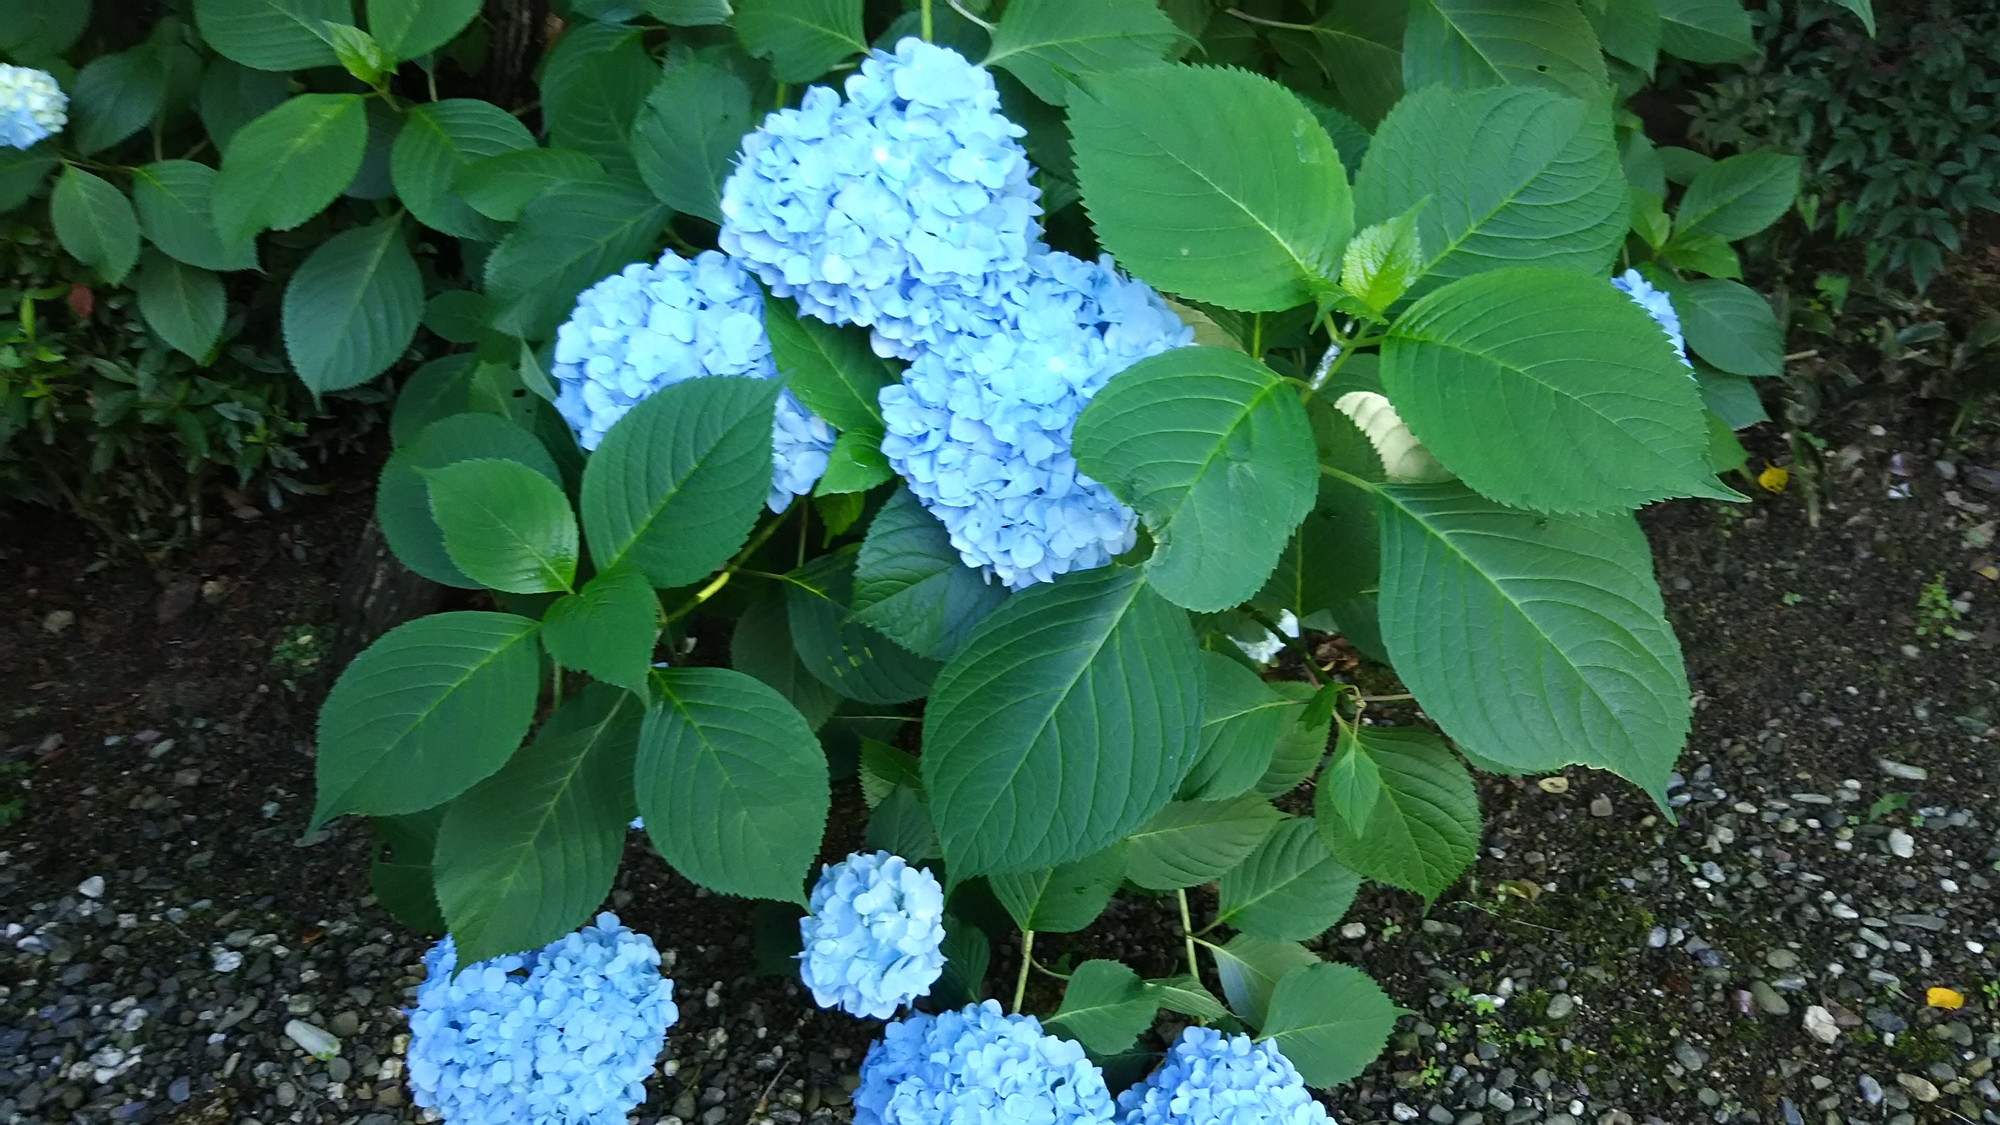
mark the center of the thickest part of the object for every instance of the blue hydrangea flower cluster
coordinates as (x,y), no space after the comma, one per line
(650,326)
(32,106)
(565,1035)
(980,425)
(1657,304)
(1209,1078)
(905,208)
(978,1067)
(870,942)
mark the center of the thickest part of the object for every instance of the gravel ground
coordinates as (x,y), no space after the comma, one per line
(169,944)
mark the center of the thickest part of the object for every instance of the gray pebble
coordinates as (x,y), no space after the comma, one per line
(1500,1100)
(339,1070)
(1902,771)
(1561,1006)
(1768,1000)
(179,1092)
(1781,959)
(1871,1090)
(1690,1056)
(1439,1114)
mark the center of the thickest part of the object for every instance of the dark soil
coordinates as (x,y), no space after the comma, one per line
(1624,946)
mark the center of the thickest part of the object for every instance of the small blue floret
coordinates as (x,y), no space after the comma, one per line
(871,941)
(1209,1078)
(905,207)
(650,326)
(980,424)
(565,1035)
(978,1067)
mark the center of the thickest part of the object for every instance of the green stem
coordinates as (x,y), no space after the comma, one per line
(927,20)
(1187,935)
(1256,335)
(556,684)
(1350,478)
(1046,971)
(1262,22)
(1027,959)
(729,568)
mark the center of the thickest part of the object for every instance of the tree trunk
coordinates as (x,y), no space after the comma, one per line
(519,29)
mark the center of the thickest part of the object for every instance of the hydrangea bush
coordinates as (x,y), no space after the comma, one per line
(1002,407)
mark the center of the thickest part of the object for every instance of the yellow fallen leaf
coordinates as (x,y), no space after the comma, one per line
(1553,784)
(1774,478)
(1989,572)
(1944,998)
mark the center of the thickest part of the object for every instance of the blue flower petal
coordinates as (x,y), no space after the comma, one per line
(1209,1078)
(977,1065)
(870,943)
(32,106)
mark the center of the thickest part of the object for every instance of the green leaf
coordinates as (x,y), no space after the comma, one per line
(1471,43)
(1702,253)
(271,34)
(352,307)
(402,499)
(287,165)
(438,140)
(1729,325)
(1289,889)
(1212,183)
(95,224)
(884,768)
(527,855)
(1515,176)
(114,96)
(1330,1021)
(1215,453)
(1065,899)
(1737,197)
(1384,260)
(1065,721)
(1250,969)
(688,13)
(967,952)
(832,371)
(1705,31)
(761,646)
(500,187)
(1732,398)
(678,482)
(911,586)
(39,30)
(570,236)
(1301,745)
(184,304)
(1104,1007)
(359,54)
(1240,721)
(606,629)
(399,868)
(1363,48)
(232,96)
(593,83)
(173,201)
(407,29)
(425,712)
(1048,43)
(1189,843)
(1628,29)
(1188,996)
(686,136)
(901,825)
(855,464)
(1863,10)
(1572,597)
(1422,829)
(852,659)
(1352,783)
(802,38)
(1604,416)
(731,782)
(22,173)
(505,525)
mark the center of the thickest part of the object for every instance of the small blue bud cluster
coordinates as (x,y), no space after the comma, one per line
(650,326)
(907,208)
(565,1035)
(1209,1078)
(1658,305)
(32,106)
(978,1066)
(870,942)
